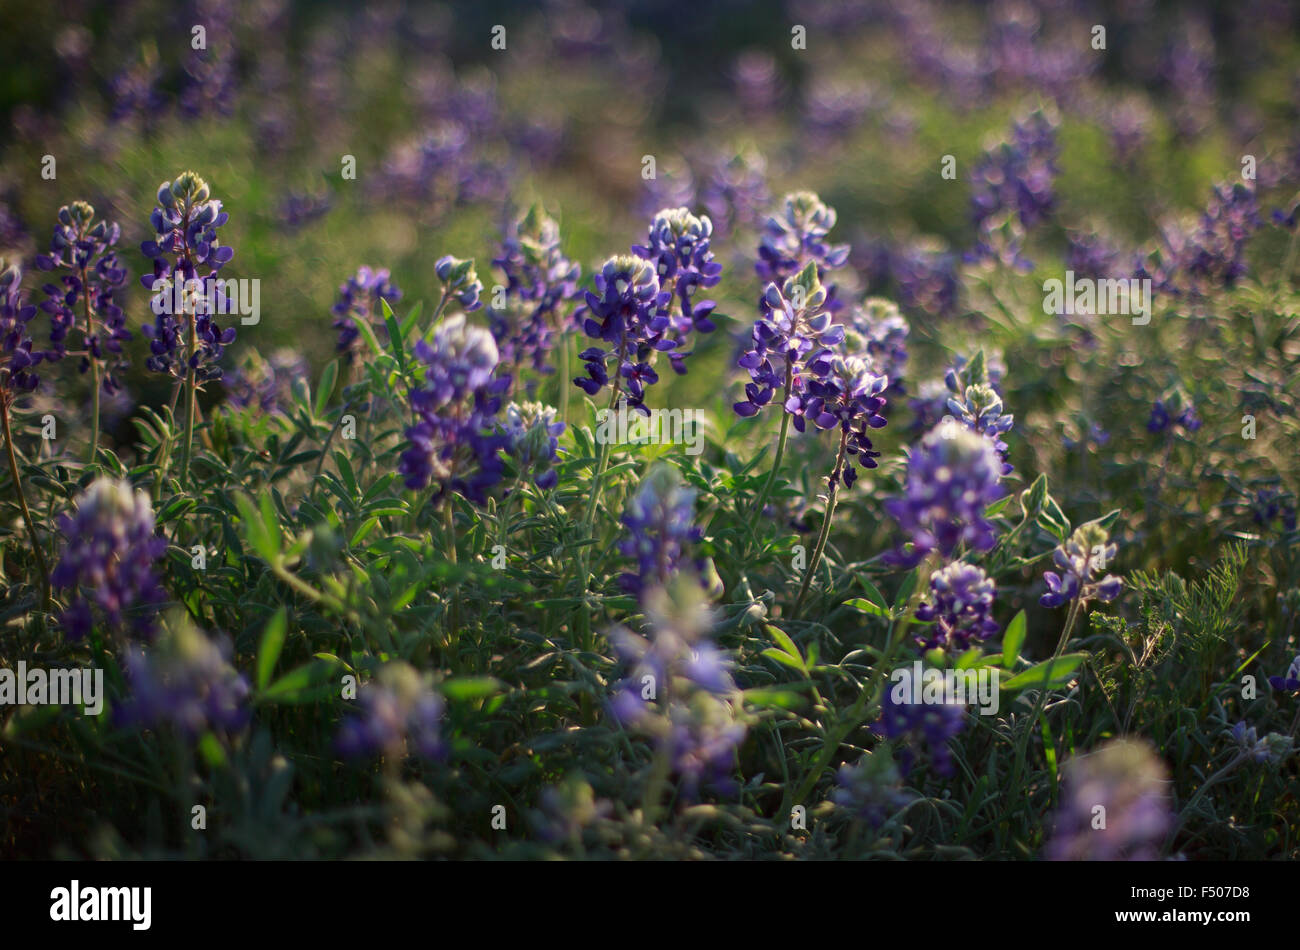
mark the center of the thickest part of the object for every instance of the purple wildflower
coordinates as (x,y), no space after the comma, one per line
(1271,749)
(299,209)
(878,328)
(539,279)
(870,788)
(660,527)
(952,477)
(679,689)
(1087,552)
(1217,252)
(960,607)
(920,725)
(534,442)
(185,679)
(17,361)
(108,564)
(265,384)
(210,82)
(792,342)
(926,278)
(455,443)
(186,221)
(460,281)
(399,715)
(359,298)
(1128,781)
(735,191)
(1268,506)
(1016,177)
(850,397)
(1190,260)
(678,246)
(1093,256)
(978,406)
(84,249)
(1162,419)
(566,810)
(627,312)
(1290,683)
(796,235)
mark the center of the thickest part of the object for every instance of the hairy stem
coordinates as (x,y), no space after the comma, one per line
(187,446)
(833,484)
(22,503)
(780,445)
(94,369)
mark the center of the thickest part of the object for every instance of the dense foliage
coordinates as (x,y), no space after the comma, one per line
(558,442)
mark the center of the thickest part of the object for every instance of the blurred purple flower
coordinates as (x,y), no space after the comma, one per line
(108,564)
(399,714)
(952,477)
(185,680)
(1114,807)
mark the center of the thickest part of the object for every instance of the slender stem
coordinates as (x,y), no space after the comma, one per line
(660,769)
(833,490)
(94,369)
(188,445)
(780,445)
(565,382)
(442,304)
(449,524)
(94,409)
(602,462)
(453,600)
(1022,745)
(311,593)
(22,503)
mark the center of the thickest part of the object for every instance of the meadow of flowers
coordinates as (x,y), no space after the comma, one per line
(612,432)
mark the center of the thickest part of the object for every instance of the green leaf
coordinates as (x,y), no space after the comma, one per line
(465,688)
(394,335)
(774,698)
(1047,674)
(1013,639)
(261,528)
(867,607)
(368,332)
(785,658)
(784,642)
(995,509)
(211,750)
(272,642)
(873,592)
(905,592)
(308,683)
(408,321)
(328,377)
